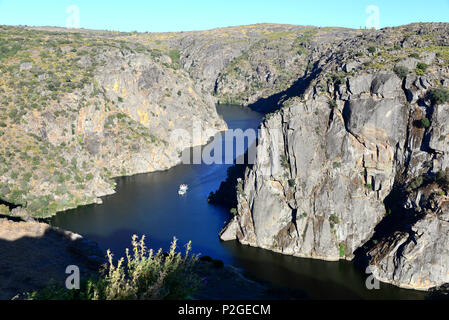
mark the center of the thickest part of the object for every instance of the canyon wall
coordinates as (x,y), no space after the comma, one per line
(356,164)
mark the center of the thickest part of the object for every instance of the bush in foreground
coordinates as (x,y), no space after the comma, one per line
(143,275)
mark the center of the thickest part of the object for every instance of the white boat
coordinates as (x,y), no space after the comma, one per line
(183,189)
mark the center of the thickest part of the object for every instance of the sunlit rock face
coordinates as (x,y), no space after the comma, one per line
(329,162)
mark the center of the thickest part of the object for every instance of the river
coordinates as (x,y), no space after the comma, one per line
(148,204)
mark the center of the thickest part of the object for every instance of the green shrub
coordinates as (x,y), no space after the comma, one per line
(339,80)
(425,123)
(418,182)
(292,183)
(233,211)
(143,275)
(334,219)
(4,210)
(419,72)
(239,189)
(284,162)
(439,95)
(27,176)
(442,179)
(342,249)
(401,71)
(175,57)
(422,66)
(372,49)
(414,55)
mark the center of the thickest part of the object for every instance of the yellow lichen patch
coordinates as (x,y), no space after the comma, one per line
(99,119)
(143,117)
(81,119)
(423,283)
(171,124)
(192,94)
(116,86)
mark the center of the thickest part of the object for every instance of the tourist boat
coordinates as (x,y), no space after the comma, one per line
(183,189)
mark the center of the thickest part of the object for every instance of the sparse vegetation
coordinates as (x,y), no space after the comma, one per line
(439,95)
(4,210)
(292,183)
(401,71)
(334,219)
(336,165)
(425,123)
(416,183)
(285,163)
(142,275)
(442,179)
(421,68)
(342,250)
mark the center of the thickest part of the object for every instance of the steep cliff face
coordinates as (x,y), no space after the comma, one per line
(416,254)
(331,158)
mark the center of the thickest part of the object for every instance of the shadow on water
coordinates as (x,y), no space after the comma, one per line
(148,204)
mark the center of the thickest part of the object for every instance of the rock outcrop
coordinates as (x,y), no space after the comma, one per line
(329,160)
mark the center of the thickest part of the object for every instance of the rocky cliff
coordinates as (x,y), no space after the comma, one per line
(78,109)
(356,163)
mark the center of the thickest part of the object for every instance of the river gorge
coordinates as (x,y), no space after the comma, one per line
(350,170)
(148,204)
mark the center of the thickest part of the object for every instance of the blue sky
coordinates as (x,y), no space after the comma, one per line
(183,15)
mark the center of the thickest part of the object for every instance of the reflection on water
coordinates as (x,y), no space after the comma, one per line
(148,204)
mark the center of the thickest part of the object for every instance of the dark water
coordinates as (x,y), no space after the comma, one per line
(148,204)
